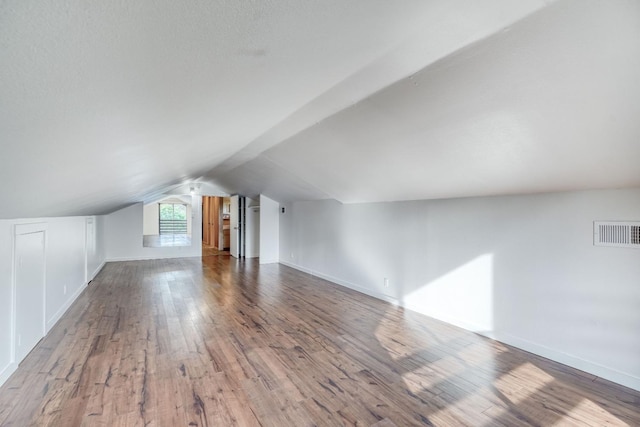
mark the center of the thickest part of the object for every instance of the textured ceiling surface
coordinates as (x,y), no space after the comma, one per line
(103,104)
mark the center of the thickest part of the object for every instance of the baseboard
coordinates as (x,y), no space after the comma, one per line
(576,362)
(95,273)
(472,327)
(10,369)
(58,315)
(149,258)
(296,267)
(6,372)
(268,261)
(355,287)
(596,369)
(344,283)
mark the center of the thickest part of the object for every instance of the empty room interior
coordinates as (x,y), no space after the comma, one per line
(320,213)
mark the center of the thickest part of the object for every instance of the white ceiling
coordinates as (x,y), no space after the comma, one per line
(107,103)
(552,104)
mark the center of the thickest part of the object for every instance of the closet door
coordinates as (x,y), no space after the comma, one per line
(29,291)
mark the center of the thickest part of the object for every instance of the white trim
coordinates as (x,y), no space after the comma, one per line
(344,283)
(473,327)
(31,227)
(14,301)
(95,273)
(88,221)
(297,267)
(7,371)
(605,372)
(58,315)
(148,258)
(576,362)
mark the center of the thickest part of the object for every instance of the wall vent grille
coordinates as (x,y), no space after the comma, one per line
(619,234)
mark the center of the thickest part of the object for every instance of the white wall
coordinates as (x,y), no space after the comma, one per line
(65,268)
(124,229)
(269,230)
(522,269)
(252,234)
(150,219)
(97,253)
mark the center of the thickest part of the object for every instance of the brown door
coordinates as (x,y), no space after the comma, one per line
(215,221)
(206,223)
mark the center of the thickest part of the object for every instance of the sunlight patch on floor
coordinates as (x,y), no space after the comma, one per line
(461,361)
(522,382)
(587,406)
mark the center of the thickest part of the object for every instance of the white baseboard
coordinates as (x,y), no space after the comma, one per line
(149,258)
(54,319)
(10,369)
(95,273)
(296,267)
(360,289)
(6,372)
(268,261)
(596,369)
(473,327)
(344,283)
(58,315)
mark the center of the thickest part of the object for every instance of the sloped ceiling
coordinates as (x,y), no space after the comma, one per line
(107,103)
(549,104)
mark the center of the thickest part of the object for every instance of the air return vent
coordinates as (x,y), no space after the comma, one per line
(618,234)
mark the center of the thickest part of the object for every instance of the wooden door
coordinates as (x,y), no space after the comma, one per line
(206,224)
(215,221)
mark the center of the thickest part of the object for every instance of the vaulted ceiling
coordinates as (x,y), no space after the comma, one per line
(103,104)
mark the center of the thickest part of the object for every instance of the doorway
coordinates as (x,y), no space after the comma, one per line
(216,233)
(245,227)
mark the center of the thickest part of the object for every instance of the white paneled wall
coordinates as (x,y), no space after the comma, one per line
(74,254)
(522,269)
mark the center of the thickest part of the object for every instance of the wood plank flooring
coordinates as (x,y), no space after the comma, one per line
(221,342)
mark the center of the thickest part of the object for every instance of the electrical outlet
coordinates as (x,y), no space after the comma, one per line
(291,254)
(64,289)
(386,282)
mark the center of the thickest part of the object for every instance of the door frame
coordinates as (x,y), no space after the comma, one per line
(22,229)
(234,229)
(88,225)
(206,223)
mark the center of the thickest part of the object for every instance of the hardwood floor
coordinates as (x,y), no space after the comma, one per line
(217,342)
(211,251)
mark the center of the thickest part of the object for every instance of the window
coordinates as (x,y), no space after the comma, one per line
(173,218)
